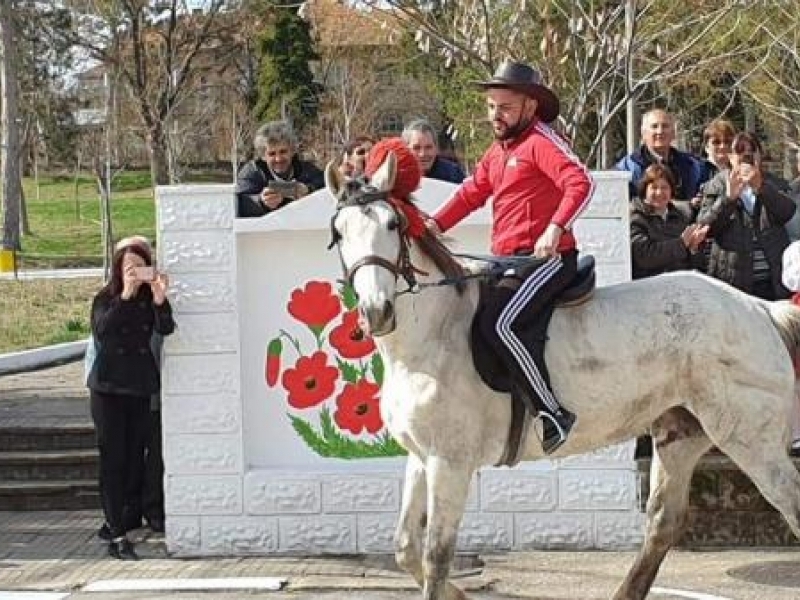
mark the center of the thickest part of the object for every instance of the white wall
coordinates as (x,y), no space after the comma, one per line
(240,479)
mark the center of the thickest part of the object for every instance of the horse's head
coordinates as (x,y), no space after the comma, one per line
(368,231)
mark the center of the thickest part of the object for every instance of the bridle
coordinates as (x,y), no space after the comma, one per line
(363,196)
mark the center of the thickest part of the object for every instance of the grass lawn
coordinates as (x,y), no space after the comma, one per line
(41,312)
(65,225)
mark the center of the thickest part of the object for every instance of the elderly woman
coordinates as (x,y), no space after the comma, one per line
(717,138)
(277,176)
(663,237)
(747,209)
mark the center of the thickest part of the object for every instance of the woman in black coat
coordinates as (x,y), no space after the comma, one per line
(124,376)
(747,208)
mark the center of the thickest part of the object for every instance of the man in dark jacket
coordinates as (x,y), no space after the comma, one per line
(420,138)
(658,133)
(277,177)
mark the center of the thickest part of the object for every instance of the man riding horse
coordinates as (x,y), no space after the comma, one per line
(539,188)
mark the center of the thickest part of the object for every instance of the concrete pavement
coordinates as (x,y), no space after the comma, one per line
(57,552)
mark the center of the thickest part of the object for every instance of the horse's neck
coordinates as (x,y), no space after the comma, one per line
(435,315)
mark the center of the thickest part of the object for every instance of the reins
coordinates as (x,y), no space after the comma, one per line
(402,267)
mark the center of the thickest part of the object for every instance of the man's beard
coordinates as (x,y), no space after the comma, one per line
(514,131)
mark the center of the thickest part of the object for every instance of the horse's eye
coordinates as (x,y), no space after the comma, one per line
(394,223)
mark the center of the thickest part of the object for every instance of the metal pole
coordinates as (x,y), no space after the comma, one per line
(630,105)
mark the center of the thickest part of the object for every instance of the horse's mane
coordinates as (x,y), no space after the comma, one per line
(433,246)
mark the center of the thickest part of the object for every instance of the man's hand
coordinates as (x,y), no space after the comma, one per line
(547,244)
(271,199)
(432,226)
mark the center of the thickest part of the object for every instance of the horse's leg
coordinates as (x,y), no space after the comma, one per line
(413,517)
(678,441)
(448,486)
(758,444)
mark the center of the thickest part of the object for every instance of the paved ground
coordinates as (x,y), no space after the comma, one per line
(57,552)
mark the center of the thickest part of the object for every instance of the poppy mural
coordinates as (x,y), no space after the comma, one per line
(331,374)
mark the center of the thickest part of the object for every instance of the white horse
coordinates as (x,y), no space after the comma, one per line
(695,362)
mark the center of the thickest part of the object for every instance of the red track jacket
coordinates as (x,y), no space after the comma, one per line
(535,180)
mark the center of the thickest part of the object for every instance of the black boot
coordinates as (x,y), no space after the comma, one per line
(555,428)
(122,549)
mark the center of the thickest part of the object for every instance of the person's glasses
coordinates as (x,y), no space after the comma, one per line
(361,151)
(743,149)
(719,142)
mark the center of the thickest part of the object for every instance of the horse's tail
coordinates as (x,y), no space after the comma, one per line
(786,318)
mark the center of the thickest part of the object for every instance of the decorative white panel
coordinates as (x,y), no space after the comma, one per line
(553,530)
(205,251)
(202,413)
(509,491)
(485,530)
(607,239)
(583,489)
(204,334)
(203,454)
(202,293)
(376,533)
(317,506)
(617,456)
(192,208)
(183,535)
(272,493)
(618,531)
(362,494)
(610,197)
(239,535)
(203,495)
(613,274)
(318,534)
(203,374)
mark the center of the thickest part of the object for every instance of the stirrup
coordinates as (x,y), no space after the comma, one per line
(555,429)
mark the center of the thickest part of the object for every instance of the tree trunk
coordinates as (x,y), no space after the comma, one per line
(9,131)
(157,145)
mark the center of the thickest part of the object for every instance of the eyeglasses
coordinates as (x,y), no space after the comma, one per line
(720,142)
(361,151)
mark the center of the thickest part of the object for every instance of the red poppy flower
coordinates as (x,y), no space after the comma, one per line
(315,305)
(358,408)
(349,339)
(311,381)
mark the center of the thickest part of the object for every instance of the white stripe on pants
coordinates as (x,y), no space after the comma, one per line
(512,310)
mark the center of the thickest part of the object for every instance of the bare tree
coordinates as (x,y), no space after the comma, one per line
(9,130)
(597,63)
(157,48)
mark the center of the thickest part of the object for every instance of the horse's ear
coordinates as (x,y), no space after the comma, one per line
(383,179)
(334,180)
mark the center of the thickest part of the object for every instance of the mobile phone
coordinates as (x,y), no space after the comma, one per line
(285,189)
(748,159)
(145,273)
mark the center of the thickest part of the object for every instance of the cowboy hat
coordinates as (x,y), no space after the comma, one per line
(525,79)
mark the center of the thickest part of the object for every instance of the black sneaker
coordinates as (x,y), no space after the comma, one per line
(555,429)
(122,550)
(155,524)
(104,533)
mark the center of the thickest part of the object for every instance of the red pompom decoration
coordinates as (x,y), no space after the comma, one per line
(408,172)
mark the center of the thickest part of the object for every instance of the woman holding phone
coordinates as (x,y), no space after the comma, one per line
(746,209)
(276,176)
(123,377)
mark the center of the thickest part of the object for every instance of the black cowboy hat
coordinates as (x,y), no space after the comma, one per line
(525,79)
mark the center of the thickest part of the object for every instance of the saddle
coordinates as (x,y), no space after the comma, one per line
(491,367)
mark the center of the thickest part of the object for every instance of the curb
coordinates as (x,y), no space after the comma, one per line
(39,358)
